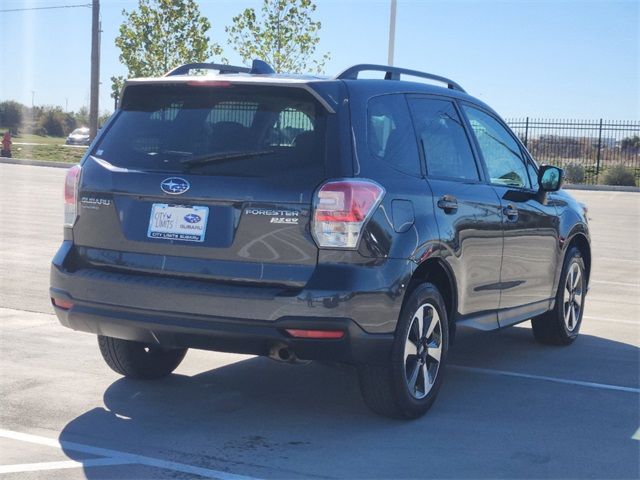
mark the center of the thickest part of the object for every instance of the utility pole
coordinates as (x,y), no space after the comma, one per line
(392,30)
(33,110)
(95,68)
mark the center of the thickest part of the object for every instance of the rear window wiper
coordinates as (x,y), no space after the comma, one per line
(219,157)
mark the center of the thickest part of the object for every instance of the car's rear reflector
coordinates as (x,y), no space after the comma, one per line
(317,334)
(60,303)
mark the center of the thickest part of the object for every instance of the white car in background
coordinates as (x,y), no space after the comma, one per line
(80,136)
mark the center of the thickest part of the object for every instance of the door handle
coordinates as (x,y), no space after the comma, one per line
(448,203)
(510,212)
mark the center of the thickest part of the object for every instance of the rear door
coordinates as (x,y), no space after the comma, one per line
(209,181)
(467,210)
(531,245)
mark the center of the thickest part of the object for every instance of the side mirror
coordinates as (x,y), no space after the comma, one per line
(550,178)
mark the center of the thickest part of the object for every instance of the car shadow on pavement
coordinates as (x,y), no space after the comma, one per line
(257,412)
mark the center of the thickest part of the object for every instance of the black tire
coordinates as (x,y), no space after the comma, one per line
(139,360)
(551,328)
(386,389)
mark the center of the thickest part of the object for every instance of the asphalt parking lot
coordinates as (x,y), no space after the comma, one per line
(509,408)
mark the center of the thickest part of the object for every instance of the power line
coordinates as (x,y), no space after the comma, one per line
(44,8)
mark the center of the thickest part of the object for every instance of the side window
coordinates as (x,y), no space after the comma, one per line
(237,112)
(443,138)
(291,127)
(390,135)
(533,175)
(500,150)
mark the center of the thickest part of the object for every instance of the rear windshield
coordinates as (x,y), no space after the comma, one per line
(226,129)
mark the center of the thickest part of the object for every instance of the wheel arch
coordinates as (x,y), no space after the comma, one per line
(580,241)
(436,271)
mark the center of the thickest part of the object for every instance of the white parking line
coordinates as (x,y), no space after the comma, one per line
(123,457)
(601,386)
(617,259)
(43,466)
(622,284)
(611,320)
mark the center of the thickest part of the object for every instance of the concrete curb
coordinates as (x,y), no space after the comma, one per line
(39,163)
(599,188)
(602,188)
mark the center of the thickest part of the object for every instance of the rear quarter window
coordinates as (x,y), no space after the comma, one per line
(390,135)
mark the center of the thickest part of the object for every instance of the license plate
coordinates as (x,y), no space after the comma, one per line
(178,222)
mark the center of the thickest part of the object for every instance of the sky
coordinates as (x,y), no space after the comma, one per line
(544,58)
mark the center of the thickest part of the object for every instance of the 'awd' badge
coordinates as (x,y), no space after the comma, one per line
(277,216)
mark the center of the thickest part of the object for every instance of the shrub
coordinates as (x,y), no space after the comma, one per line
(41,131)
(574,173)
(70,123)
(11,115)
(82,116)
(56,122)
(631,144)
(619,175)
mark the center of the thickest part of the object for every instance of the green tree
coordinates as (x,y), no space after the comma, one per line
(285,36)
(161,35)
(11,115)
(102,119)
(82,116)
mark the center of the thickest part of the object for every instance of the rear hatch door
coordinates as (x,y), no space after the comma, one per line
(205,180)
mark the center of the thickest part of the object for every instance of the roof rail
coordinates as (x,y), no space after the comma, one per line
(393,73)
(258,67)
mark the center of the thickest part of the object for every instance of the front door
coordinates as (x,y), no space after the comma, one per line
(530,226)
(467,211)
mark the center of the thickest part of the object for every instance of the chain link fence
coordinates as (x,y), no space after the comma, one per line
(584,148)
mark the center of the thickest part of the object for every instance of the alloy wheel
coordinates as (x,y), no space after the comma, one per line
(423,350)
(573,296)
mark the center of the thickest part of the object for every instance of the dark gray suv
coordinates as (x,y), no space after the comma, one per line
(342,219)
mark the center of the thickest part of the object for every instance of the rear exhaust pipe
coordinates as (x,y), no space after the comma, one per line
(286,355)
(282,353)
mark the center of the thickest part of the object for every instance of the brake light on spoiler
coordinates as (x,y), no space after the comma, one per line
(341,211)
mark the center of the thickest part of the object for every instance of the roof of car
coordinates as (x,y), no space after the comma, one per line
(392,83)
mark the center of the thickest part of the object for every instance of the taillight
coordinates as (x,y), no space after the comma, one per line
(341,211)
(71,195)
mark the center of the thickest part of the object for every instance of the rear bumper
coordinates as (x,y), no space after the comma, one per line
(243,319)
(230,335)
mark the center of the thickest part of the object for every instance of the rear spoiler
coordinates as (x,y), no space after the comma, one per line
(328,101)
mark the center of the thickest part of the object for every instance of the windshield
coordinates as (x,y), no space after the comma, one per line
(221,130)
(80,131)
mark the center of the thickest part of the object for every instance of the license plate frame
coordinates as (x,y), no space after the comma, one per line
(185,223)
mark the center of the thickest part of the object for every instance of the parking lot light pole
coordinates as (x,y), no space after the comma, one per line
(95,69)
(392,30)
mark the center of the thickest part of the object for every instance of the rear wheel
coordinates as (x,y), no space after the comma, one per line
(409,384)
(561,325)
(139,360)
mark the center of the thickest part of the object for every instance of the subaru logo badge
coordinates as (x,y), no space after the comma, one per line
(174,185)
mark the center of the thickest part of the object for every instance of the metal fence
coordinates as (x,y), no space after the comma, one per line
(584,148)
